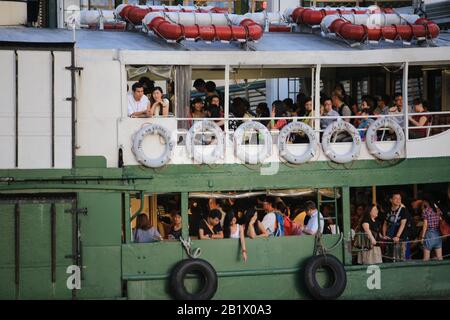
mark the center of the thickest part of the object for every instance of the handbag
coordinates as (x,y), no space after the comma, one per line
(444,228)
(362,242)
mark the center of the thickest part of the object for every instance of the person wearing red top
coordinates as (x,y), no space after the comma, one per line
(278,111)
(418,121)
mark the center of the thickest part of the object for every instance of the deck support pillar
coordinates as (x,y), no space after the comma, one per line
(347,254)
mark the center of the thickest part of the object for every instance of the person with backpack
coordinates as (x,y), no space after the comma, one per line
(291,228)
(315,222)
(395,228)
(273,221)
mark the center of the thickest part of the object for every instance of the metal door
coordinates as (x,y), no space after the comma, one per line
(39,240)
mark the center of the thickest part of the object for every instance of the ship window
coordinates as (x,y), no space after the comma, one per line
(288,203)
(151,79)
(163,213)
(428,100)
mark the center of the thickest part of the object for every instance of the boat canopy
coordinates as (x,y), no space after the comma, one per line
(326,192)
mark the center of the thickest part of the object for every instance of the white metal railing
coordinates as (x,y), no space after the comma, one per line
(399,115)
(182,130)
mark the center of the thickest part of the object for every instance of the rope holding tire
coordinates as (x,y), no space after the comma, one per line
(338,273)
(180,272)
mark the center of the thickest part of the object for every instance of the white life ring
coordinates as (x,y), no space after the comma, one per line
(139,152)
(283,145)
(371,138)
(200,156)
(341,125)
(242,152)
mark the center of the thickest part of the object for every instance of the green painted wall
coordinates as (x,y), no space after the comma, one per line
(401,280)
(181,178)
(101,248)
(35,252)
(101,244)
(270,260)
(275,263)
(7,285)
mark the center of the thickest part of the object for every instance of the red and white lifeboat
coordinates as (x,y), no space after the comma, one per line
(376,27)
(135,13)
(314,15)
(178,26)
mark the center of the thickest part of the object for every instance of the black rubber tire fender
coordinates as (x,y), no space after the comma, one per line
(339,281)
(179,273)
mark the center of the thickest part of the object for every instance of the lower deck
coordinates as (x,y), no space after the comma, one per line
(42,234)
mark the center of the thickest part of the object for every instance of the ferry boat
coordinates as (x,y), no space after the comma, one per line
(76,170)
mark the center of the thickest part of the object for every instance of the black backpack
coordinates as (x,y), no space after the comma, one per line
(410,231)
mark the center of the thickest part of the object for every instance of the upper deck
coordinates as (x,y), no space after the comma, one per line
(44,120)
(295,48)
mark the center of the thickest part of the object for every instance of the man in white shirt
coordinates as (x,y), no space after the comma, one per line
(137,101)
(314,223)
(269,220)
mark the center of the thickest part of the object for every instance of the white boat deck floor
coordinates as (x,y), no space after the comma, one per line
(134,40)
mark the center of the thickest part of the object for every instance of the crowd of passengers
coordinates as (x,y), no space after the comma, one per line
(398,231)
(225,219)
(146,100)
(394,232)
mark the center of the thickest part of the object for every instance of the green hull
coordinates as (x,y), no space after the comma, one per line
(31,269)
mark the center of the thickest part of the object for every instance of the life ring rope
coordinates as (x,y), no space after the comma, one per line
(138,138)
(290,157)
(338,126)
(193,149)
(371,139)
(242,151)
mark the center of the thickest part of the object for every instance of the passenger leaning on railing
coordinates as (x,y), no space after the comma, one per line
(383,102)
(176,226)
(365,122)
(419,120)
(262,111)
(339,104)
(253,228)
(314,223)
(197,110)
(214,110)
(159,106)
(144,233)
(210,227)
(278,111)
(288,106)
(232,229)
(213,204)
(308,111)
(270,219)
(138,103)
(396,109)
(394,228)
(367,103)
(371,226)
(328,112)
(299,107)
(431,235)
